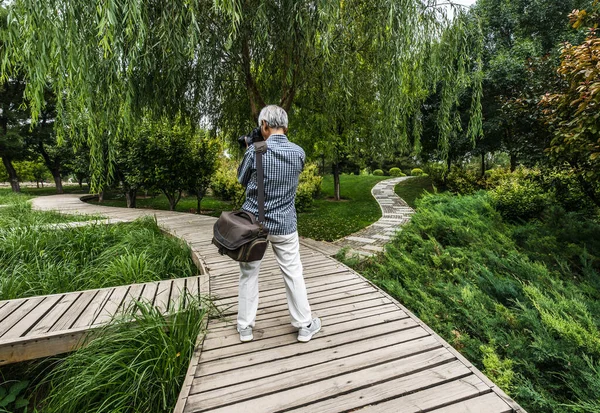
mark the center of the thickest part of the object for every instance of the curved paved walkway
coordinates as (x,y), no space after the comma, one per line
(372,353)
(395,213)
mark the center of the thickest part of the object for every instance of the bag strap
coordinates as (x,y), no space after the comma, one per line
(260,148)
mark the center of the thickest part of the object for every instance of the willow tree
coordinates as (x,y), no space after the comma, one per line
(220,61)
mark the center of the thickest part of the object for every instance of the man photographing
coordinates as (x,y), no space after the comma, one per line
(282,165)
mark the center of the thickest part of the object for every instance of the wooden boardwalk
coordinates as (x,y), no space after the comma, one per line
(44,326)
(372,354)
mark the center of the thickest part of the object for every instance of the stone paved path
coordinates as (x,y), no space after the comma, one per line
(395,213)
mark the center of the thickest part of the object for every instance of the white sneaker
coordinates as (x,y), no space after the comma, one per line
(245,334)
(306,333)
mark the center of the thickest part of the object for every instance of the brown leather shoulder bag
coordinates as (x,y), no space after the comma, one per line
(238,234)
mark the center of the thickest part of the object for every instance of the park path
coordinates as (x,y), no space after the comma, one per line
(372,354)
(395,213)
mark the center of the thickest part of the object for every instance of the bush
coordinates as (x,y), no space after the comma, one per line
(461,181)
(520,199)
(397,172)
(417,172)
(225,184)
(308,187)
(378,172)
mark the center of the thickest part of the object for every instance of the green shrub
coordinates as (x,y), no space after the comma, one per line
(520,301)
(416,172)
(378,172)
(520,199)
(396,172)
(225,185)
(461,181)
(308,187)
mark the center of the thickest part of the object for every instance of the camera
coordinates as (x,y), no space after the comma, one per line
(247,140)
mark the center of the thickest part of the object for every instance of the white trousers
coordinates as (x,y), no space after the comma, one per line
(287,253)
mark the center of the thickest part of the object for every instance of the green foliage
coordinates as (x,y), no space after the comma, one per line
(396,172)
(520,199)
(33,171)
(37,261)
(19,213)
(135,364)
(416,172)
(461,181)
(11,396)
(309,187)
(378,172)
(225,184)
(520,301)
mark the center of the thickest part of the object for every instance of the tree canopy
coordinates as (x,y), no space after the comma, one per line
(217,62)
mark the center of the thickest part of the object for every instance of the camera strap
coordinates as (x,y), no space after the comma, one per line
(260,149)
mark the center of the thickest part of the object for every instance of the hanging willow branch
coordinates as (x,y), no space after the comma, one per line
(110,62)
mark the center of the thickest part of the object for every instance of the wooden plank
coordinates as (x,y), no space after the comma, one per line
(268,318)
(133,295)
(437,364)
(111,306)
(29,321)
(149,293)
(77,307)
(417,336)
(229,336)
(307,374)
(87,316)
(47,321)
(177,290)
(354,325)
(269,310)
(10,307)
(244,359)
(162,295)
(431,398)
(20,312)
(488,403)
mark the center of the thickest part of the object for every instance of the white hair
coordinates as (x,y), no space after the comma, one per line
(275,117)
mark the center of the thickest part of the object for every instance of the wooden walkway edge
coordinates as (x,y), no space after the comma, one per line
(372,354)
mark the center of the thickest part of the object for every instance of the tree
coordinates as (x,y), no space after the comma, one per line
(573,112)
(202,164)
(222,60)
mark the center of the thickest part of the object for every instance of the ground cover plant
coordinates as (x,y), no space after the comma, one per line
(329,220)
(519,298)
(38,261)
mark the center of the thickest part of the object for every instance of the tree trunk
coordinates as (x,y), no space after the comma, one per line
(336,181)
(12,174)
(80,181)
(513,162)
(482,164)
(130,197)
(173,199)
(101,196)
(58,181)
(37,184)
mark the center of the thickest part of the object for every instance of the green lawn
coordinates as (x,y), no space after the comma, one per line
(210,205)
(414,188)
(329,220)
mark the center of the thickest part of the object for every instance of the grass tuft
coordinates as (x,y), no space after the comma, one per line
(135,364)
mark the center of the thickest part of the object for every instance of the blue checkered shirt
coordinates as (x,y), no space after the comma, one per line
(282,165)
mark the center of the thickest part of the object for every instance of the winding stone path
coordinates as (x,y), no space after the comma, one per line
(395,213)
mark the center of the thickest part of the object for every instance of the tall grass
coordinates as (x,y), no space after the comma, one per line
(521,301)
(36,261)
(135,364)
